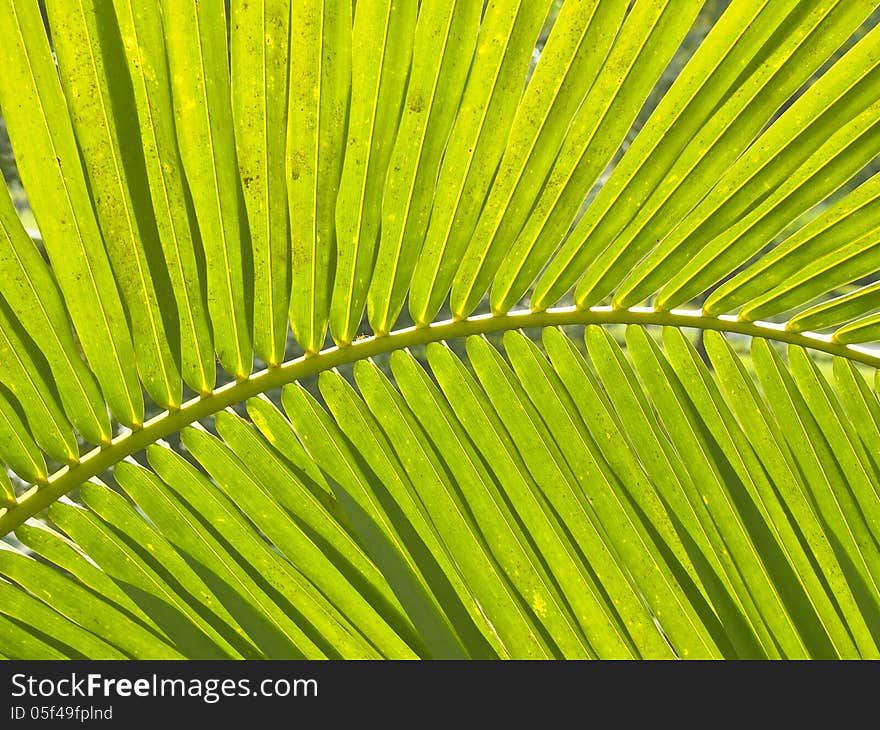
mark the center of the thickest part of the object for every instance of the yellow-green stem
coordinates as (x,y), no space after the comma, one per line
(96,461)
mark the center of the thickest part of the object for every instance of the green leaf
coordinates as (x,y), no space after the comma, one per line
(764,286)
(382,47)
(23,370)
(90,63)
(21,641)
(80,606)
(318,524)
(140,26)
(186,527)
(842,439)
(436,83)
(33,296)
(731,87)
(203,605)
(300,546)
(836,310)
(320,61)
(17,448)
(556,551)
(683,423)
(768,443)
(144,580)
(379,499)
(862,330)
(783,159)
(6,490)
(290,541)
(668,473)
(825,486)
(752,495)
(195,40)
(36,114)
(56,549)
(484,503)
(554,481)
(78,644)
(260,35)
(570,61)
(451,518)
(662,580)
(258,568)
(648,38)
(477,143)
(649,479)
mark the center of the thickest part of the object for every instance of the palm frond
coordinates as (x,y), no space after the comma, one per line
(628,211)
(543,503)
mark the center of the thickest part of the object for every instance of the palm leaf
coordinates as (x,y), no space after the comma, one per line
(681,464)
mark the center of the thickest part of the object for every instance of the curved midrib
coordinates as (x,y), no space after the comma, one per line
(101,458)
